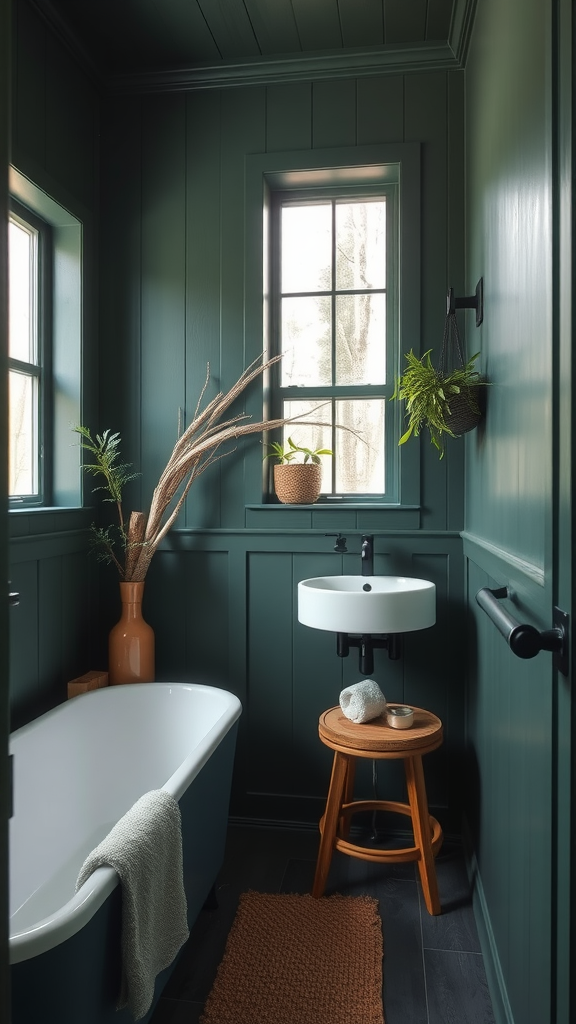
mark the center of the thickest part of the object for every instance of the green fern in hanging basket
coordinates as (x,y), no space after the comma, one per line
(445,403)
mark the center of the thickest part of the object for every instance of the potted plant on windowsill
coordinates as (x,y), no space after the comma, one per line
(298,472)
(446,402)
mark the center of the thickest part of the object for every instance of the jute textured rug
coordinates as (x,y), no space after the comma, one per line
(297,960)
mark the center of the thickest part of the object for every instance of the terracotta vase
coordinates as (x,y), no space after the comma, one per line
(131,641)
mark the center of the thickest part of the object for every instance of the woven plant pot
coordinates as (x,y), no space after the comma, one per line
(298,483)
(465,410)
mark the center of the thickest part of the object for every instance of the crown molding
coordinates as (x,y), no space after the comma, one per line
(296,67)
(460,33)
(285,68)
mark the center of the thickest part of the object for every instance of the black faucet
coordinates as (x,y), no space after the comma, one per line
(367,554)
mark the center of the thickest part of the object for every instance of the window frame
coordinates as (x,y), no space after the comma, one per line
(279,394)
(41,369)
(265,173)
(73,316)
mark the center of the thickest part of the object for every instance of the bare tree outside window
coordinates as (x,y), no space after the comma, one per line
(333,319)
(24,368)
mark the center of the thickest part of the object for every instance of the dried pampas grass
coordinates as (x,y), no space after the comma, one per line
(195,450)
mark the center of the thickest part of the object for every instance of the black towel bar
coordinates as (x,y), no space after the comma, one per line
(524,640)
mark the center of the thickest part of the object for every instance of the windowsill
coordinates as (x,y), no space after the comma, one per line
(338,505)
(37,509)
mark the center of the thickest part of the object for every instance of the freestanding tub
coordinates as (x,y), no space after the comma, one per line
(77,770)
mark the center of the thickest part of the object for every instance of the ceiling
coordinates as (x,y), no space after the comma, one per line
(122,39)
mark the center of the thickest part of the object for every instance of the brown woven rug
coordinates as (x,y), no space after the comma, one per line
(299,960)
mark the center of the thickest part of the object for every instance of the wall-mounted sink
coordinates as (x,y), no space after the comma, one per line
(367,604)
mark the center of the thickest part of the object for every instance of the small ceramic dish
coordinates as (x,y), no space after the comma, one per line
(399,716)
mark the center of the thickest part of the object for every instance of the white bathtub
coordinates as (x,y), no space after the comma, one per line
(77,770)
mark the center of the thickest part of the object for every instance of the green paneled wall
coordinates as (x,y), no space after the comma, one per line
(173,299)
(174,251)
(221,595)
(55,138)
(223,606)
(509,497)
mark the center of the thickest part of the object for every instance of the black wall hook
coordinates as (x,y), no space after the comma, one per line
(475,301)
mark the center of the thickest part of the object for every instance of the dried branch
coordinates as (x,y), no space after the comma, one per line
(194,451)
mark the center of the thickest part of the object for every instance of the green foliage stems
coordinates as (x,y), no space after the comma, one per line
(427,394)
(287,454)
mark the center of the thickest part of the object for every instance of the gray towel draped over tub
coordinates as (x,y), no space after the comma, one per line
(145,850)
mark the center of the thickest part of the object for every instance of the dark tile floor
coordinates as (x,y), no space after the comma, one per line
(433,967)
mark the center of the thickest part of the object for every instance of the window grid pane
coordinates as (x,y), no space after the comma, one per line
(23,434)
(336,339)
(360,245)
(360,462)
(23,292)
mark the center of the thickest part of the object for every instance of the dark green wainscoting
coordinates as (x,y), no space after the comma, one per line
(53,629)
(224,608)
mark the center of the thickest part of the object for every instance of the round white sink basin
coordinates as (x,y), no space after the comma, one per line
(367,604)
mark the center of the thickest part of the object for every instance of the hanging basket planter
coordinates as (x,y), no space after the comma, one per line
(464,410)
(448,400)
(298,483)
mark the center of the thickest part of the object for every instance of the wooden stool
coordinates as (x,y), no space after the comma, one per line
(377,740)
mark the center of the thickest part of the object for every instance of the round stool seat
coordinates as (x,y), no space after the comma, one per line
(377,740)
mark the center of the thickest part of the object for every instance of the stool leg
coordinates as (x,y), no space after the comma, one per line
(422,832)
(330,822)
(348,796)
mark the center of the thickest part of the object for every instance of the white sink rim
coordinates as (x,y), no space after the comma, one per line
(394,604)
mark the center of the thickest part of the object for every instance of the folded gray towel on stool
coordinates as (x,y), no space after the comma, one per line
(362,701)
(145,850)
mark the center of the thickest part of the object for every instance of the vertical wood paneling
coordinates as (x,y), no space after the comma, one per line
(71,124)
(55,122)
(456,276)
(243,131)
(509,160)
(203,301)
(288,117)
(509,494)
(512,814)
(270,671)
(334,113)
(163,281)
(23,642)
(285,673)
(317,682)
(121,282)
(425,105)
(207,617)
(51,629)
(29,85)
(77,615)
(166,609)
(381,109)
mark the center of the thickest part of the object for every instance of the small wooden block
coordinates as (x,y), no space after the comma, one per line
(89,681)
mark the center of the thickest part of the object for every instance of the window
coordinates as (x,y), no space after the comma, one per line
(347,186)
(335,322)
(28,354)
(48,307)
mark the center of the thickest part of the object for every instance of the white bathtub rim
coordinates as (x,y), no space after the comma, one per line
(78,911)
